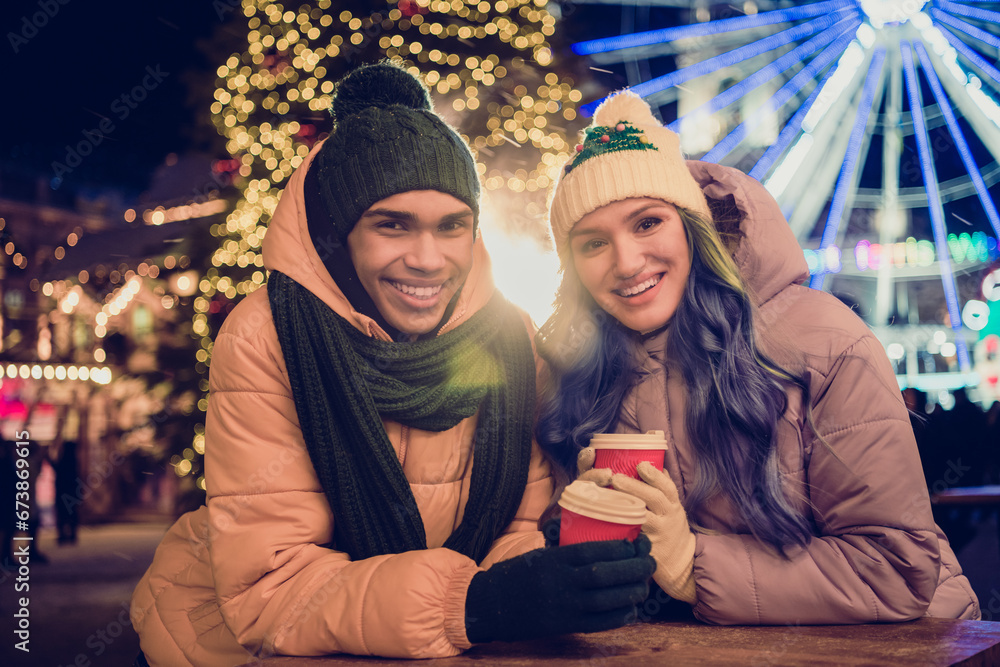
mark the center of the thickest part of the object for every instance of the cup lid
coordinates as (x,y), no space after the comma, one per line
(597,502)
(647,440)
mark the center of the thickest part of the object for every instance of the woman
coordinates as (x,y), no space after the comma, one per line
(792,491)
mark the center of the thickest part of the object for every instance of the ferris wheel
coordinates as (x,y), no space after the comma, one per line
(798,94)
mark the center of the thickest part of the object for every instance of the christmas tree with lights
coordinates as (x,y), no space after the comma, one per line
(488,65)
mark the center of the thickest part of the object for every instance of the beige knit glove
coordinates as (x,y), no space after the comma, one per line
(666,523)
(585,462)
(586,470)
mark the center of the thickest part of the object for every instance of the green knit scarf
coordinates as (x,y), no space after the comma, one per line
(344,382)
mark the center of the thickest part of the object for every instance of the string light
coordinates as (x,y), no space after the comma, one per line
(160,215)
(116,303)
(281,81)
(965,248)
(96,374)
(19,259)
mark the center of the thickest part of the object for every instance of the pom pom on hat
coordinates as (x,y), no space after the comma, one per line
(381,85)
(627,106)
(387,139)
(625,154)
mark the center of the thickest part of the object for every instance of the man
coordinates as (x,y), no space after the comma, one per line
(368,441)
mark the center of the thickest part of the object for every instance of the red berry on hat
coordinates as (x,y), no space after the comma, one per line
(605,138)
(579,148)
(620,127)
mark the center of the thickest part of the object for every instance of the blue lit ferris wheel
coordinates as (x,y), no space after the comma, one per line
(799,94)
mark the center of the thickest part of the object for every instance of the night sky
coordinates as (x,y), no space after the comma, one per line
(67,77)
(131,82)
(68,69)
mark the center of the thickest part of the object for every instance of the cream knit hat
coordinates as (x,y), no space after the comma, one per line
(626,153)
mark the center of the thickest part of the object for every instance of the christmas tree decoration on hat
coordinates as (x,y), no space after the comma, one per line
(600,140)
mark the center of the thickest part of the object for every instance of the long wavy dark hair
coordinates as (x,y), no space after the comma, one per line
(735,393)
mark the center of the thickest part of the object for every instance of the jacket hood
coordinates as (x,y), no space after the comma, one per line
(768,256)
(288,248)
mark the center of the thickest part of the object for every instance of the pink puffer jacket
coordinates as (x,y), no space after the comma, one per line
(245,575)
(877,555)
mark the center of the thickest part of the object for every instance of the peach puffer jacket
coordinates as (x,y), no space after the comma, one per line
(877,555)
(245,575)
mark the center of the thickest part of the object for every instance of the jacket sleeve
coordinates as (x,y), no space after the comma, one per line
(875,557)
(278,590)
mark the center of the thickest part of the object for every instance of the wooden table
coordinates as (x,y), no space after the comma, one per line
(923,642)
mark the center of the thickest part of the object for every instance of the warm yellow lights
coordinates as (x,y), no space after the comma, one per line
(159,215)
(117,301)
(98,375)
(291,77)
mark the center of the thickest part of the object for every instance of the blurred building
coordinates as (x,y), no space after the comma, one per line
(96,341)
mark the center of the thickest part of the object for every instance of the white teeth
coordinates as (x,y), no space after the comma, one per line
(640,288)
(418,292)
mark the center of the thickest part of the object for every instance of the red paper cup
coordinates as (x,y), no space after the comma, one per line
(625,461)
(591,513)
(575,528)
(622,452)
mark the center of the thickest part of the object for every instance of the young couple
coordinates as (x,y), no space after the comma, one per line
(378,458)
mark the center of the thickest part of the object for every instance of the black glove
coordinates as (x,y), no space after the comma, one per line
(586,587)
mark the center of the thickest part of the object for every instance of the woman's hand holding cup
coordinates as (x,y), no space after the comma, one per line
(666,523)
(621,453)
(667,527)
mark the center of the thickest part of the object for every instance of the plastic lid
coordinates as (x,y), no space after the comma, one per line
(597,502)
(647,440)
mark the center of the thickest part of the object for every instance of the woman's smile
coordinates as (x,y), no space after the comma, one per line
(639,289)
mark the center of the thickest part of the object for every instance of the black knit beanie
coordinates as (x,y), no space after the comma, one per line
(386,140)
